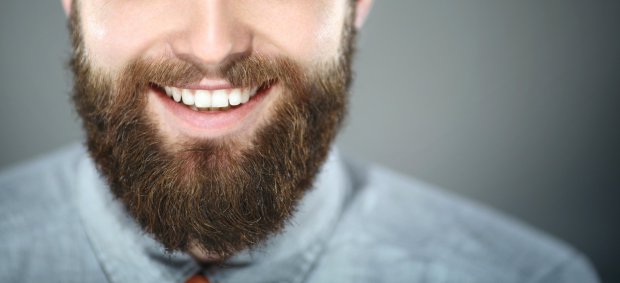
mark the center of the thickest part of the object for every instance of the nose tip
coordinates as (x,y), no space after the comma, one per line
(211,36)
(209,46)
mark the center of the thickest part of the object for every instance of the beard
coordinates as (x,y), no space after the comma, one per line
(219,195)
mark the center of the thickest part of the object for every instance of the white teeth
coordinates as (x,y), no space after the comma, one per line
(234,98)
(245,95)
(220,99)
(176,94)
(187,97)
(202,99)
(253,91)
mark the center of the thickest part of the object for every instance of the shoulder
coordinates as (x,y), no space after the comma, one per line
(40,185)
(397,229)
(40,232)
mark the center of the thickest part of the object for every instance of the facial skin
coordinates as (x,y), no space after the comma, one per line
(223,180)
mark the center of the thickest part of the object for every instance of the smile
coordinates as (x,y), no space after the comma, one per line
(211,100)
(210,111)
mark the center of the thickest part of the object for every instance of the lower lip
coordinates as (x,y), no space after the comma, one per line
(212,123)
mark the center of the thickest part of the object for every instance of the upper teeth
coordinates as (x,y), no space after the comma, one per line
(220,98)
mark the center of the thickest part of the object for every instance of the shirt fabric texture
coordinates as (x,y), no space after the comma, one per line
(360,223)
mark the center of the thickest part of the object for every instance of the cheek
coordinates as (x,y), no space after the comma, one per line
(116,32)
(306,30)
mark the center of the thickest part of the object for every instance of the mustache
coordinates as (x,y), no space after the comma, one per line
(243,71)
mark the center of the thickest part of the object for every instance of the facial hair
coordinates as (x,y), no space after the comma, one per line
(219,195)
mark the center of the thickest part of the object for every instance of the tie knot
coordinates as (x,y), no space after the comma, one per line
(198,278)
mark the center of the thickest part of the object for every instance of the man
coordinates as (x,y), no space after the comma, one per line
(208,131)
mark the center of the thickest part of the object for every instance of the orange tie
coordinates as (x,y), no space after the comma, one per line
(198,278)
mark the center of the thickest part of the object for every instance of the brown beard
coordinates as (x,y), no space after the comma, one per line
(221,195)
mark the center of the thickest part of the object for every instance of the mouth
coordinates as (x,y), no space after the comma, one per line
(215,99)
(209,111)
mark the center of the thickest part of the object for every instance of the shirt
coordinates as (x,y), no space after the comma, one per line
(359,223)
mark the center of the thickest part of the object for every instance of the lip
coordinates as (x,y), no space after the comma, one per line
(188,122)
(208,84)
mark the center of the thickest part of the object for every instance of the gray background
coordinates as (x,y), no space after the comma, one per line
(513,103)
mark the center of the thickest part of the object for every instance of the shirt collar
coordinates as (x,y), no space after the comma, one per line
(127,254)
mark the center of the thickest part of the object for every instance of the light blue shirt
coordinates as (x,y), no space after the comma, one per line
(360,223)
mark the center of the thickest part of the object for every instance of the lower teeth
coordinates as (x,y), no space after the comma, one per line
(209,108)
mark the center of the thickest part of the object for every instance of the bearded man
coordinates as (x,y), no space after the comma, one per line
(208,158)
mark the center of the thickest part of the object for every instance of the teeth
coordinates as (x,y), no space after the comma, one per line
(221,99)
(176,94)
(245,95)
(187,97)
(253,92)
(234,98)
(202,99)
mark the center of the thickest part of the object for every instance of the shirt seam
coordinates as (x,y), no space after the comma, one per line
(346,206)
